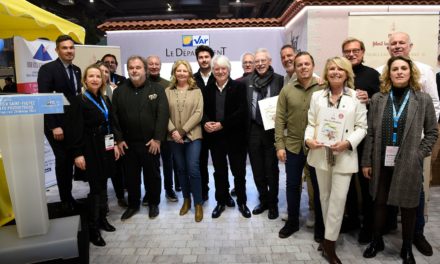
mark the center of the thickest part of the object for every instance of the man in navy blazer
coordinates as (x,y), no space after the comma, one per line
(61,76)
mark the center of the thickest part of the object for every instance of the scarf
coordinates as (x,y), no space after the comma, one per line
(262,82)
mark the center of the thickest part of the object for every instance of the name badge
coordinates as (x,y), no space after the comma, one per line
(390,155)
(109,142)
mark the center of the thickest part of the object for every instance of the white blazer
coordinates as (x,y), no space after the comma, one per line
(354,131)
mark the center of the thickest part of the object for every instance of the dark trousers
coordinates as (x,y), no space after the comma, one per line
(137,160)
(167,166)
(294,168)
(222,151)
(319,222)
(204,156)
(380,208)
(117,178)
(63,167)
(264,163)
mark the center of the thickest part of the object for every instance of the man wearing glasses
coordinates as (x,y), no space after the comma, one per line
(110,59)
(263,83)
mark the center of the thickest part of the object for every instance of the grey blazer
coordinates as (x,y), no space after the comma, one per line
(419,136)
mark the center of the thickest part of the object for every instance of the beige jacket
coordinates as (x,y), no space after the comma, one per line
(186,111)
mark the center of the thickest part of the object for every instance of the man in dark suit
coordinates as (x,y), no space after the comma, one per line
(263,83)
(61,76)
(141,110)
(111,60)
(225,111)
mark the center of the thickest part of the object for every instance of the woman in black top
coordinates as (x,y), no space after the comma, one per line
(90,138)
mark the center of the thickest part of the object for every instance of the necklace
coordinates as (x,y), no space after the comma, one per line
(180,101)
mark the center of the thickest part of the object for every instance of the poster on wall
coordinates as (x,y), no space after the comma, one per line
(29,57)
(374,30)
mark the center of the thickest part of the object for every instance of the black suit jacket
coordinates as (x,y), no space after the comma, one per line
(235,112)
(52,77)
(201,83)
(276,85)
(117,79)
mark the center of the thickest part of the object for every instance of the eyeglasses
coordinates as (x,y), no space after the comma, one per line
(260,61)
(354,51)
(110,62)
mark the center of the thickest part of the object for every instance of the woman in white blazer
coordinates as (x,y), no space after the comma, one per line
(335,161)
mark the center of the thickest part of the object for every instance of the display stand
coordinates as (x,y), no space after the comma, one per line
(34,238)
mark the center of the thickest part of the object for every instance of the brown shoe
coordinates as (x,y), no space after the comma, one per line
(199,213)
(185,206)
(328,252)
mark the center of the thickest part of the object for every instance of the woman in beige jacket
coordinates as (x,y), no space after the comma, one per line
(185,133)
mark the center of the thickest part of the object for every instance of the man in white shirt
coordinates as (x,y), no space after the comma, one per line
(400,44)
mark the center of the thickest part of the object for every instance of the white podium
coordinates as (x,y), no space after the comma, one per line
(22,148)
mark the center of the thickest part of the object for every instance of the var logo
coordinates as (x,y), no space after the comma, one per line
(195,40)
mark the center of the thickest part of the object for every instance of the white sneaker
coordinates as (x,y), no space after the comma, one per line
(310,222)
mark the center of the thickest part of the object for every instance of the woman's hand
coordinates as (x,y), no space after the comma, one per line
(368,172)
(80,162)
(117,152)
(340,146)
(313,144)
(177,137)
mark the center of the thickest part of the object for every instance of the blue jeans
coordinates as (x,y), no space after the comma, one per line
(186,157)
(294,168)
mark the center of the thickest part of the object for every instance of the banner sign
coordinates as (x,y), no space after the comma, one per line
(31,104)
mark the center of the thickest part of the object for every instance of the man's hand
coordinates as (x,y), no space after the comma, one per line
(122,146)
(58,133)
(362,96)
(154,146)
(368,172)
(80,162)
(281,155)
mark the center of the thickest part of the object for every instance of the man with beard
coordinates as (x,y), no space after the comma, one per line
(141,109)
(112,62)
(263,83)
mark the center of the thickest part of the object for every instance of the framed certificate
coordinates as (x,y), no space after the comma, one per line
(268,109)
(331,126)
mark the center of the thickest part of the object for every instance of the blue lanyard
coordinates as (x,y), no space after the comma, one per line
(396,116)
(103,110)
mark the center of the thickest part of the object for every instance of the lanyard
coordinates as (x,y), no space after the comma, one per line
(396,116)
(103,110)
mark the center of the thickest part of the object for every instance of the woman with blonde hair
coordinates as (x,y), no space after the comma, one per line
(185,133)
(402,128)
(336,161)
(89,135)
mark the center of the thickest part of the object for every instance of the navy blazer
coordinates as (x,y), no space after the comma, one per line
(235,113)
(53,78)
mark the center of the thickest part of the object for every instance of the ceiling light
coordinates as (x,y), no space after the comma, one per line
(91,1)
(169,9)
(66,2)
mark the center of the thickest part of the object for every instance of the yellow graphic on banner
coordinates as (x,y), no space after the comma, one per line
(6,211)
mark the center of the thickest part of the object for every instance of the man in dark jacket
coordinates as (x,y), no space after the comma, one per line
(141,110)
(61,76)
(111,60)
(261,84)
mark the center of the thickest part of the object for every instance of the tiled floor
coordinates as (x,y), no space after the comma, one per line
(171,238)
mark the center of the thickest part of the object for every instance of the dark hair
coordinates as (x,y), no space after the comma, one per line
(304,53)
(290,46)
(109,55)
(63,38)
(137,57)
(204,48)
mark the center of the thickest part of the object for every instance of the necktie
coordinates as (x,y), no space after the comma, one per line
(72,79)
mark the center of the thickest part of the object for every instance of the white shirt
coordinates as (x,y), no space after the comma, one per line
(427,81)
(205,77)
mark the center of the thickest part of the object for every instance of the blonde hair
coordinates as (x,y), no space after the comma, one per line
(345,65)
(385,79)
(83,81)
(191,82)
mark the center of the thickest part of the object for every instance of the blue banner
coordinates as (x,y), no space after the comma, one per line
(31,104)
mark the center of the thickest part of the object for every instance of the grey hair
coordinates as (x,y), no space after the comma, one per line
(222,61)
(245,54)
(264,50)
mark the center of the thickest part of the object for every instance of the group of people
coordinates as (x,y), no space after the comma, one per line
(387,127)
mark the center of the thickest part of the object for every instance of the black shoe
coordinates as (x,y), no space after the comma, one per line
(273,213)
(178,189)
(244,210)
(288,229)
(96,238)
(365,237)
(259,209)
(145,200)
(129,213)
(230,202)
(233,192)
(106,226)
(171,196)
(122,202)
(218,210)
(407,255)
(153,212)
(422,244)
(374,247)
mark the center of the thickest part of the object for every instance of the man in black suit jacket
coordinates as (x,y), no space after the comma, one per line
(224,119)
(263,83)
(111,60)
(61,76)
(141,110)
